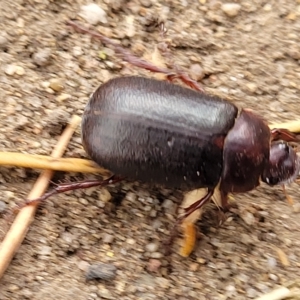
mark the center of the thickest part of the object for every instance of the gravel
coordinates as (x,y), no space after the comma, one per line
(101,271)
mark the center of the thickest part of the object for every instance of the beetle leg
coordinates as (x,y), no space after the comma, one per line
(287,196)
(65,187)
(189,238)
(197,205)
(187,212)
(284,134)
(136,61)
(186,80)
(188,227)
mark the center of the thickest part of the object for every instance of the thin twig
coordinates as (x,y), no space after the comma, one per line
(293,126)
(19,228)
(278,294)
(25,160)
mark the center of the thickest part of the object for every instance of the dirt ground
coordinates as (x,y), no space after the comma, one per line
(251,59)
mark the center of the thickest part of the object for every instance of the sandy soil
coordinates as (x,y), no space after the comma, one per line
(251,59)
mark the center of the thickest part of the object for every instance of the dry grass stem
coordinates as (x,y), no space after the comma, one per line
(50,163)
(19,228)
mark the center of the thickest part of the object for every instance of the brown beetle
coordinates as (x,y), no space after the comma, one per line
(161,133)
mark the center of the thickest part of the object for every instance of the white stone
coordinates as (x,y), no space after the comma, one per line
(231,9)
(93,14)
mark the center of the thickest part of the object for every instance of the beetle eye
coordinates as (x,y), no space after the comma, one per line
(272,180)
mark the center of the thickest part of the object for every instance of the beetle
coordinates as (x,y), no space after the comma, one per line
(158,132)
(165,134)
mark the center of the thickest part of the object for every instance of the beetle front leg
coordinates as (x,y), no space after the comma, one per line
(283,134)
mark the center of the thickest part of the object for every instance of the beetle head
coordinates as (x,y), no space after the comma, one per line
(284,164)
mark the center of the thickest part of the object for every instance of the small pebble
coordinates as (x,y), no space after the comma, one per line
(63,97)
(152,247)
(104,195)
(2,206)
(201,260)
(83,201)
(283,257)
(13,288)
(153,265)
(67,237)
(115,5)
(45,250)
(19,70)
(267,7)
(130,196)
(120,286)
(251,293)
(77,51)
(224,273)
(243,277)
(108,238)
(130,241)
(168,204)
(27,293)
(156,224)
(83,265)
(153,213)
(147,208)
(288,242)
(8,195)
(56,117)
(248,218)
(273,277)
(42,57)
(129,27)
(194,267)
(3,42)
(228,247)
(276,106)
(56,84)
(262,287)
(294,52)
(93,296)
(156,255)
(101,271)
(245,239)
(10,70)
(272,263)
(231,9)
(230,290)
(296,207)
(93,14)
(146,3)
(252,87)
(105,293)
(162,282)
(196,71)
(215,242)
